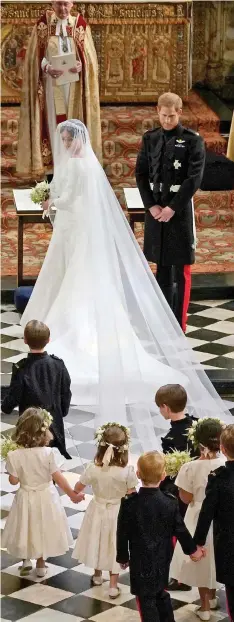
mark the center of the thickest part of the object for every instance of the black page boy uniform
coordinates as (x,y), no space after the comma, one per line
(41,380)
(177,439)
(173,161)
(218,506)
(146,524)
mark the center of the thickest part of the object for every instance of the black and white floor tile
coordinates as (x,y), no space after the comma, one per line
(66,594)
(210,331)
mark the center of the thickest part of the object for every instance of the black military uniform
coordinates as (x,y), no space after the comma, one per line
(173,161)
(177,438)
(218,506)
(146,524)
(43,381)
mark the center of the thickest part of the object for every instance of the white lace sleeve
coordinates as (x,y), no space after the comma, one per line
(53,191)
(72,188)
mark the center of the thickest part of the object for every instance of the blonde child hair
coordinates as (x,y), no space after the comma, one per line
(32,428)
(151,468)
(227,441)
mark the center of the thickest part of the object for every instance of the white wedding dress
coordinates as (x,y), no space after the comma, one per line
(108,319)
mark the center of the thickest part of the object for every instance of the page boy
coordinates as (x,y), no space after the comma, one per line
(41,380)
(171,400)
(146,524)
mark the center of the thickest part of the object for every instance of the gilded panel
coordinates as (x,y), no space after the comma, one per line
(143,49)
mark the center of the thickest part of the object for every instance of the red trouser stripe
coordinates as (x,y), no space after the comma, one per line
(228,609)
(187,290)
(139,607)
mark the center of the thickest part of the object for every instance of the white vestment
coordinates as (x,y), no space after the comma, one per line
(51,114)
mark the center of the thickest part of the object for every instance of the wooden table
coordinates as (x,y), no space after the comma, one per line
(134,206)
(27,212)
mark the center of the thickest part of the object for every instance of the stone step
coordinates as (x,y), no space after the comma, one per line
(137,119)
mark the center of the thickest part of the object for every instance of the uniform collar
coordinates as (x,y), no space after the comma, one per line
(148,491)
(176,131)
(181,421)
(37,354)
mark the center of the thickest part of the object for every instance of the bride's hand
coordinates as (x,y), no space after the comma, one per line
(45,205)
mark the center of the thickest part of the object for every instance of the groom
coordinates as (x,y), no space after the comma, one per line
(172,158)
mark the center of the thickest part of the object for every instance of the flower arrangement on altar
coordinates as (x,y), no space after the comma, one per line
(8,444)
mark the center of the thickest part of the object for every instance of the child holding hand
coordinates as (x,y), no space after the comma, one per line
(37,526)
(111,479)
(146,524)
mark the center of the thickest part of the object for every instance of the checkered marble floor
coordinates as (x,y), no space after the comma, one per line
(210,331)
(66,594)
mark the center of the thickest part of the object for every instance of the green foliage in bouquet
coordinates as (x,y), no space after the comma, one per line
(175,460)
(7,444)
(41,192)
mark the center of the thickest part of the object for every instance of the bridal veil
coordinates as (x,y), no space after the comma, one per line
(105,291)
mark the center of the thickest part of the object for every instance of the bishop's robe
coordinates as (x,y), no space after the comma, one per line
(44,104)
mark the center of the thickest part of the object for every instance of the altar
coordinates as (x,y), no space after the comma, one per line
(143,48)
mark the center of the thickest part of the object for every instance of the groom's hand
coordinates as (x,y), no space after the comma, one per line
(166,214)
(155,211)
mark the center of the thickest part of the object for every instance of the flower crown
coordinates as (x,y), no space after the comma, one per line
(191,434)
(47,420)
(101,431)
(7,443)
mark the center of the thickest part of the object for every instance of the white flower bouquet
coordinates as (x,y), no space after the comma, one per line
(41,192)
(175,460)
(7,444)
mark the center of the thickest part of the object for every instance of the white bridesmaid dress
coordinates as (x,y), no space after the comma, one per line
(37,525)
(96,543)
(193,478)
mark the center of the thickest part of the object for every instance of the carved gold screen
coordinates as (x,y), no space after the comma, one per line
(143,48)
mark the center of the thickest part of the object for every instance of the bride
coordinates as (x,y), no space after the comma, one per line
(108,319)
